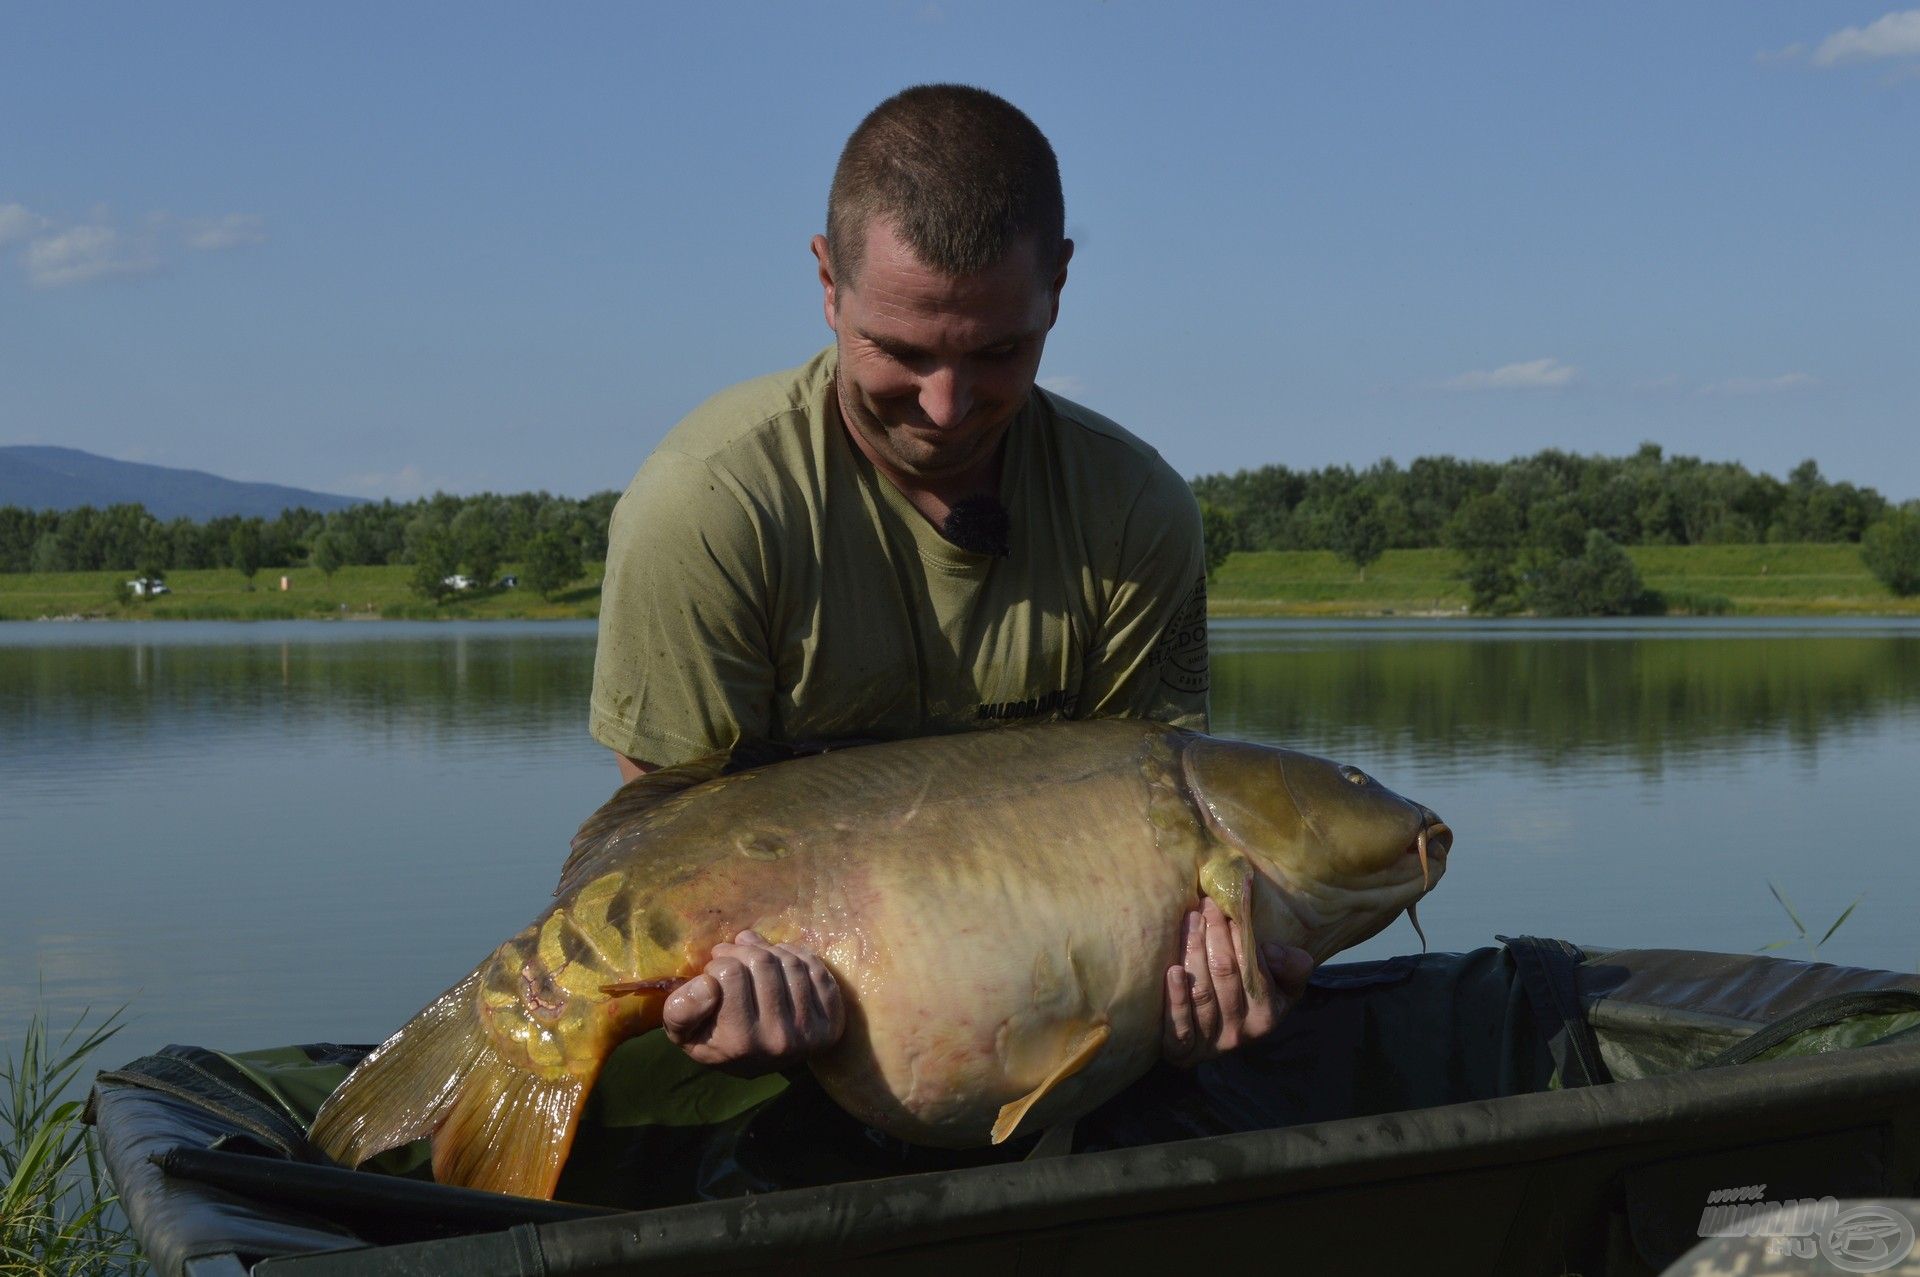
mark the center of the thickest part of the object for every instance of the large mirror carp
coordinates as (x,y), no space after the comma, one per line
(1000,908)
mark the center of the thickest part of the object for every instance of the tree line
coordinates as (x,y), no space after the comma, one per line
(1544,533)
(1645,498)
(551,537)
(1540,533)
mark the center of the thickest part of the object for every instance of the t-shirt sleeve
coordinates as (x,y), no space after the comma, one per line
(1152,658)
(683,666)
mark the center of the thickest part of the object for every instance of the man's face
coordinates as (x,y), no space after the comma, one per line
(933,369)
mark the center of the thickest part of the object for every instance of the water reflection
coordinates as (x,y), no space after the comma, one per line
(1556,697)
(1560,696)
(271,833)
(159,689)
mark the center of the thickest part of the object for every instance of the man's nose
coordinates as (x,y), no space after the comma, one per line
(946,396)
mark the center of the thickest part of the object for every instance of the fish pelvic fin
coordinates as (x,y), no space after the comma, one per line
(1079,1054)
(496,1123)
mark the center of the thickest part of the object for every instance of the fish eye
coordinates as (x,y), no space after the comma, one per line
(1354,776)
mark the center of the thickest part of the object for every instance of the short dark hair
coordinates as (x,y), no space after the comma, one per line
(961,173)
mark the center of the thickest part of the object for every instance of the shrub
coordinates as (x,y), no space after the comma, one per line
(1891,551)
(1599,581)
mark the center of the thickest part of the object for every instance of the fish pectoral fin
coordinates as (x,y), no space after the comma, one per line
(1227,881)
(1079,1054)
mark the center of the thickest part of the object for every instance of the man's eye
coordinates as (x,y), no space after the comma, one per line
(1000,353)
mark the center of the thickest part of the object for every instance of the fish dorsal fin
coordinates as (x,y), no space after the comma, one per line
(1080,1053)
(592,846)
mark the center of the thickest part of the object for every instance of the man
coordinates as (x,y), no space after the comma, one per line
(904,537)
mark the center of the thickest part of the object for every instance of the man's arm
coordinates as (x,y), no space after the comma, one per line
(756,1007)
(682,667)
(1150,658)
(1153,663)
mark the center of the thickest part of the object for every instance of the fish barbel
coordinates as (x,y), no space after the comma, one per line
(999,908)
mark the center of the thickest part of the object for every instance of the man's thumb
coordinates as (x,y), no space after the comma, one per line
(690,1006)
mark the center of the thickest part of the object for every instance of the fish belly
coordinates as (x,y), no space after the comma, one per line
(984,901)
(992,942)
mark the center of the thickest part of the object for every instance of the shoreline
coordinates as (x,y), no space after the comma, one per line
(1799,580)
(1234,610)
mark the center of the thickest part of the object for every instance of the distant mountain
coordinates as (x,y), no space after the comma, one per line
(62,478)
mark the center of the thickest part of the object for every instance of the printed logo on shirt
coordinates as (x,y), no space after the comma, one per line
(1061,702)
(1180,653)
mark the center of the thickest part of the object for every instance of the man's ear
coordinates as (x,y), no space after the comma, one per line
(829,293)
(1059,281)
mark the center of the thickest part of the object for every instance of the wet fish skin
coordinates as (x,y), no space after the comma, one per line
(998,907)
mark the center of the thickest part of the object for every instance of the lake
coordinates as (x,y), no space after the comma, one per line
(272,833)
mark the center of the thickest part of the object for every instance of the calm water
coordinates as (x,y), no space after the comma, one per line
(263,834)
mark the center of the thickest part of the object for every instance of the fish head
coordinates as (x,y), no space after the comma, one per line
(1336,854)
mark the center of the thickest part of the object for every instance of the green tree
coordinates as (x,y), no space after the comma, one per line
(1891,550)
(1359,532)
(435,558)
(49,554)
(476,533)
(1220,529)
(327,554)
(1485,531)
(244,548)
(553,562)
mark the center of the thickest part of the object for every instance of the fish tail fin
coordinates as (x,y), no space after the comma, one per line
(497,1123)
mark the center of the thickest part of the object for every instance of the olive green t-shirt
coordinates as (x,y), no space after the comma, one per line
(764,581)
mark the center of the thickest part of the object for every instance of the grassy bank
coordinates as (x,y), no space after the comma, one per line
(220,594)
(1753,580)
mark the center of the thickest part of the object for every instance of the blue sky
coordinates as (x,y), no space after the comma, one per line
(382,249)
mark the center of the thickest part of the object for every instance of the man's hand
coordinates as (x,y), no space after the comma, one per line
(757,1007)
(1208,1010)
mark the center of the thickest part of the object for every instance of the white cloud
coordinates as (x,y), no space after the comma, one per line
(17,222)
(1787,54)
(1893,35)
(1760,385)
(1535,374)
(82,254)
(59,254)
(210,234)
(1065,384)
